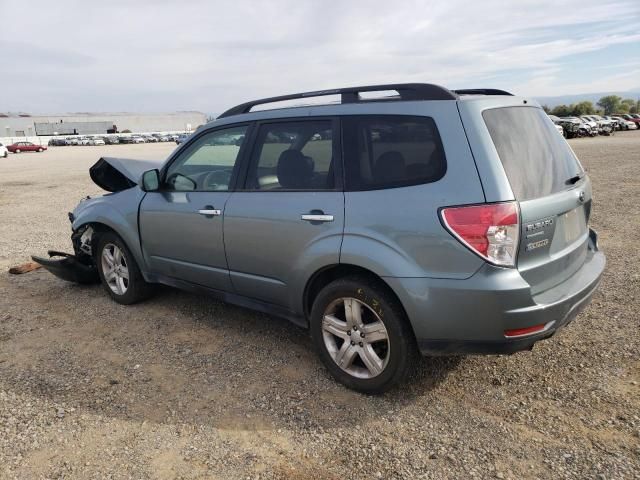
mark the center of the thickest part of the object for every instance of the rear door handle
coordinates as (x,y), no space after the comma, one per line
(311,217)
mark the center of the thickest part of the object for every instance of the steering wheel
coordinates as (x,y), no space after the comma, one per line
(216,180)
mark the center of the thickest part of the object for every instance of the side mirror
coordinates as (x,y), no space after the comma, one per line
(150,180)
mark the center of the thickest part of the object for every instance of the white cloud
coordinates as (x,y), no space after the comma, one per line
(166,55)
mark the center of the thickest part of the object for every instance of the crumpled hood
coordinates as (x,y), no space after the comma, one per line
(116,174)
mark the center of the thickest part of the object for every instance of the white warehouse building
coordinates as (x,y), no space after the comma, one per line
(26,125)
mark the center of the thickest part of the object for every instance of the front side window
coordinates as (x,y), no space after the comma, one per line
(295,155)
(208,163)
(391,151)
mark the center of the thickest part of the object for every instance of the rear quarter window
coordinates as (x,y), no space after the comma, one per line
(391,151)
(536,158)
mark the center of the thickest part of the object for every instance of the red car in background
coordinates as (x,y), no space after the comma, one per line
(25,147)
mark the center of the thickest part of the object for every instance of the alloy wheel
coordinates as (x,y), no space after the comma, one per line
(355,337)
(115,269)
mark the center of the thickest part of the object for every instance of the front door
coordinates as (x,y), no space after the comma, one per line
(288,219)
(181,225)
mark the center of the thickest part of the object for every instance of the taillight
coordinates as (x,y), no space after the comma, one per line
(490,230)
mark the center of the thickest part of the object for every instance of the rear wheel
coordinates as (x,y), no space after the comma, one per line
(40,150)
(362,335)
(119,272)
(18,150)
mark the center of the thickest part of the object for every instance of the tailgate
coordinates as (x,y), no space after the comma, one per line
(554,237)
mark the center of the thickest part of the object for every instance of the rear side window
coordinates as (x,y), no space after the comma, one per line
(295,155)
(391,151)
(536,158)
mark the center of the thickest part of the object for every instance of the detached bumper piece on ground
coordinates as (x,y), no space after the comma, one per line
(68,267)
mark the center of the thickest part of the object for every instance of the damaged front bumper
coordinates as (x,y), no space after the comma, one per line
(68,267)
(78,268)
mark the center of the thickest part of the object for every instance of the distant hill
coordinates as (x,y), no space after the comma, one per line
(591,97)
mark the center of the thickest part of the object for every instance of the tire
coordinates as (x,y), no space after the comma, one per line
(18,150)
(382,320)
(40,150)
(126,286)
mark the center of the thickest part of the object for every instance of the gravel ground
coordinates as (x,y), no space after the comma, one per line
(185,387)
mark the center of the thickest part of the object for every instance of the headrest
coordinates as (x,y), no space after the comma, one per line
(295,171)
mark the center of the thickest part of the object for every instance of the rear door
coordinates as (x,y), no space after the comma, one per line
(289,218)
(553,191)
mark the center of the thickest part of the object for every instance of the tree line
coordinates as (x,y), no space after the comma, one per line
(607,106)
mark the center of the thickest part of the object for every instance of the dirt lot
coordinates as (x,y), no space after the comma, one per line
(186,387)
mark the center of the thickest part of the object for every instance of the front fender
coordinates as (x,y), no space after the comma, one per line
(119,212)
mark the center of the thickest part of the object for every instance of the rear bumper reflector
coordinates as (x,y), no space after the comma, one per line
(523,332)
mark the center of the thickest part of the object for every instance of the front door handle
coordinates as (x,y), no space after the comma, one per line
(316,217)
(209,211)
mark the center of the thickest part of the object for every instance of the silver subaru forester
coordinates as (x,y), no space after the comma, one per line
(412,220)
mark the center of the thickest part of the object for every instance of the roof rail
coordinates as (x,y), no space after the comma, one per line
(406,91)
(482,91)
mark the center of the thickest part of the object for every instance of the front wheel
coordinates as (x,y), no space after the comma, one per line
(18,150)
(40,150)
(119,272)
(362,334)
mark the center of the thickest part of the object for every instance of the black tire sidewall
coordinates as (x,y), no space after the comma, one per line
(401,341)
(137,289)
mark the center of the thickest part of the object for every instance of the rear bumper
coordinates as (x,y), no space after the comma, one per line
(470,316)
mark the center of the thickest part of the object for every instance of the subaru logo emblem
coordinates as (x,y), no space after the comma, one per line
(581,197)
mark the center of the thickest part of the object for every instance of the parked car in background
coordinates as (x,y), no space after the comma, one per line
(453,222)
(20,147)
(558,124)
(72,141)
(615,122)
(576,127)
(590,126)
(98,141)
(592,123)
(625,123)
(181,138)
(57,142)
(631,118)
(605,127)
(137,139)
(111,140)
(149,138)
(4,153)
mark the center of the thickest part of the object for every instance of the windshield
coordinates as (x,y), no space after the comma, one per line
(538,162)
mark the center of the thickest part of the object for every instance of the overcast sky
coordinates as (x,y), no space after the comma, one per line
(163,55)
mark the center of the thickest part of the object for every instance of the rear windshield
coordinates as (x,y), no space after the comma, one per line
(537,159)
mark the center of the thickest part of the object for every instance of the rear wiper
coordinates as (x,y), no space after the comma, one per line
(574,179)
